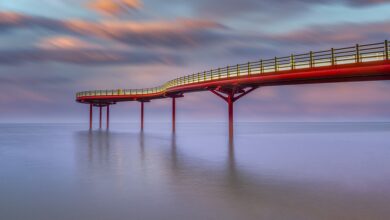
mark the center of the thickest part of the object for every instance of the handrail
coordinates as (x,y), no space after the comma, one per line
(332,57)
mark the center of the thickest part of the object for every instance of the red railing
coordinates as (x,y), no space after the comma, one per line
(332,57)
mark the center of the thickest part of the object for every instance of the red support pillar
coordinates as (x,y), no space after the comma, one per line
(90,116)
(108,117)
(230,97)
(142,116)
(230,101)
(173,114)
(100,117)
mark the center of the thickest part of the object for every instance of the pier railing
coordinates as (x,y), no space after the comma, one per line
(332,57)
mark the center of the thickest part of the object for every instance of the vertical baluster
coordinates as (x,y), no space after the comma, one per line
(386,49)
(228,74)
(292,62)
(357,54)
(219,72)
(311,59)
(249,68)
(238,70)
(333,61)
(276,64)
(204,75)
(261,66)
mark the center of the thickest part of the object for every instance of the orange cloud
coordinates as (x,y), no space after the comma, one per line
(115,7)
(169,34)
(65,42)
(178,33)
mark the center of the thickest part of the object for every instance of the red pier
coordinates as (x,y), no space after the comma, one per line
(357,63)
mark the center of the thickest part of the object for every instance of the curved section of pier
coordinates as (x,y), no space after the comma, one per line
(356,63)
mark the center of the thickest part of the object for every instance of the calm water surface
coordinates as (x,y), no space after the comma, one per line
(269,171)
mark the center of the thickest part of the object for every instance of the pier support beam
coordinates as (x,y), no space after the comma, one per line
(230,101)
(230,95)
(100,117)
(173,114)
(142,116)
(90,116)
(108,117)
(174,96)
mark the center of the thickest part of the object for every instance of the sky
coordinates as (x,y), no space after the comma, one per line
(51,49)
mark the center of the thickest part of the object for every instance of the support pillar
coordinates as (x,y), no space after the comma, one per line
(228,94)
(108,117)
(100,117)
(142,116)
(173,114)
(230,101)
(90,116)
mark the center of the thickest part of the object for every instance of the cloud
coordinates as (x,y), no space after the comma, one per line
(86,57)
(171,34)
(168,34)
(365,2)
(115,7)
(12,20)
(265,9)
(66,43)
(345,33)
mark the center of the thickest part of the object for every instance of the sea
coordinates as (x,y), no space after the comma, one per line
(266,170)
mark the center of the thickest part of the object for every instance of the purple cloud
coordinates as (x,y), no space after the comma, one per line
(86,57)
(345,33)
(168,34)
(266,10)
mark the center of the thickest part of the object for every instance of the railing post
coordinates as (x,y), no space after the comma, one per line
(228,74)
(261,66)
(238,70)
(219,72)
(333,61)
(357,54)
(211,73)
(249,68)
(204,75)
(387,49)
(292,62)
(276,64)
(311,59)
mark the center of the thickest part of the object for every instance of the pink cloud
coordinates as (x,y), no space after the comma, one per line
(114,7)
(66,42)
(169,34)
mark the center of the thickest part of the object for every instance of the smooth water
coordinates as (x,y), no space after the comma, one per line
(269,171)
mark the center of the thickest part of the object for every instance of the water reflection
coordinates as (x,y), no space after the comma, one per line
(162,168)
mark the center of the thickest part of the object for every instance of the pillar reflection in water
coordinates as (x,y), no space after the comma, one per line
(159,167)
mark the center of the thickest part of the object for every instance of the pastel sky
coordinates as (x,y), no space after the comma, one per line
(50,49)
